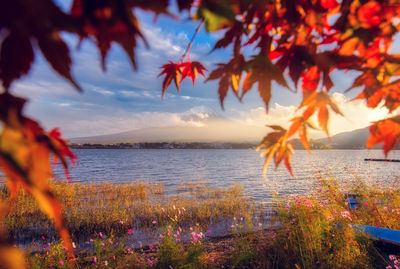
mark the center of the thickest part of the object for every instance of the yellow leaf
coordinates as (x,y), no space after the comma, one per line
(323,118)
(235,82)
(40,170)
(349,47)
(12,258)
(12,142)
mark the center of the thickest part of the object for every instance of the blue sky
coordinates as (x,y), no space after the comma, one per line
(122,99)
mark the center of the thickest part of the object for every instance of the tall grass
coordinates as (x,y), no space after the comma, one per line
(311,231)
(110,207)
(316,232)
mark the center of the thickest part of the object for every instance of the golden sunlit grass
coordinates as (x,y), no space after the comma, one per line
(312,231)
(107,207)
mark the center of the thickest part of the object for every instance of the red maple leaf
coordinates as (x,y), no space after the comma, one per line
(172,71)
(61,150)
(190,70)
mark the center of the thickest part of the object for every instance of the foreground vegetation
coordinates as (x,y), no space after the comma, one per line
(118,208)
(311,231)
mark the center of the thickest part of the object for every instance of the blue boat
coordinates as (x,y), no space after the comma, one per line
(382,234)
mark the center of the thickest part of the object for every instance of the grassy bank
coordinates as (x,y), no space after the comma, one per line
(313,231)
(106,207)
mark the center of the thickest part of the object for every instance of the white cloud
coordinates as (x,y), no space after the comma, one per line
(127,93)
(41,88)
(277,115)
(184,97)
(357,115)
(165,44)
(123,121)
(64,104)
(103,91)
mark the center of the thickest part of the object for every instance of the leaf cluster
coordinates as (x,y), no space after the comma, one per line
(301,43)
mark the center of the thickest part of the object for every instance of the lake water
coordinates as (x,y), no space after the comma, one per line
(223,168)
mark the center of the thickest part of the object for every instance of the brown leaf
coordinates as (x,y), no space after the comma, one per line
(233,33)
(262,70)
(111,21)
(223,87)
(11,109)
(229,75)
(184,4)
(16,57)
(56,53)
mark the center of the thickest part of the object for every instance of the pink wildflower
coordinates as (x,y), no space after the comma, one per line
(346,214)
(62,263)
(101,235)
(130,231)
(95,259)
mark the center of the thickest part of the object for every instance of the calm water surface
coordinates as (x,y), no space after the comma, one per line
(223,168)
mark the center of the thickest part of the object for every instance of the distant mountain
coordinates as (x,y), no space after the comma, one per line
(203,126)
(348,140)
(313,144)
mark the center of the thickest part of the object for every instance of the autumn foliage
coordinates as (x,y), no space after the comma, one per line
(296,44)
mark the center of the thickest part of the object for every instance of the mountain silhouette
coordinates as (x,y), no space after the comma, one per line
(203,125)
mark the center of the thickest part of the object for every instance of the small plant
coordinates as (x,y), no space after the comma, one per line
(48,255)
(394,262)
(180,248)
(244,255)
(171,253)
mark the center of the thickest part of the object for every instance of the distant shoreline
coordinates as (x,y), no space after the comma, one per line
(166,145)
(199,145)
